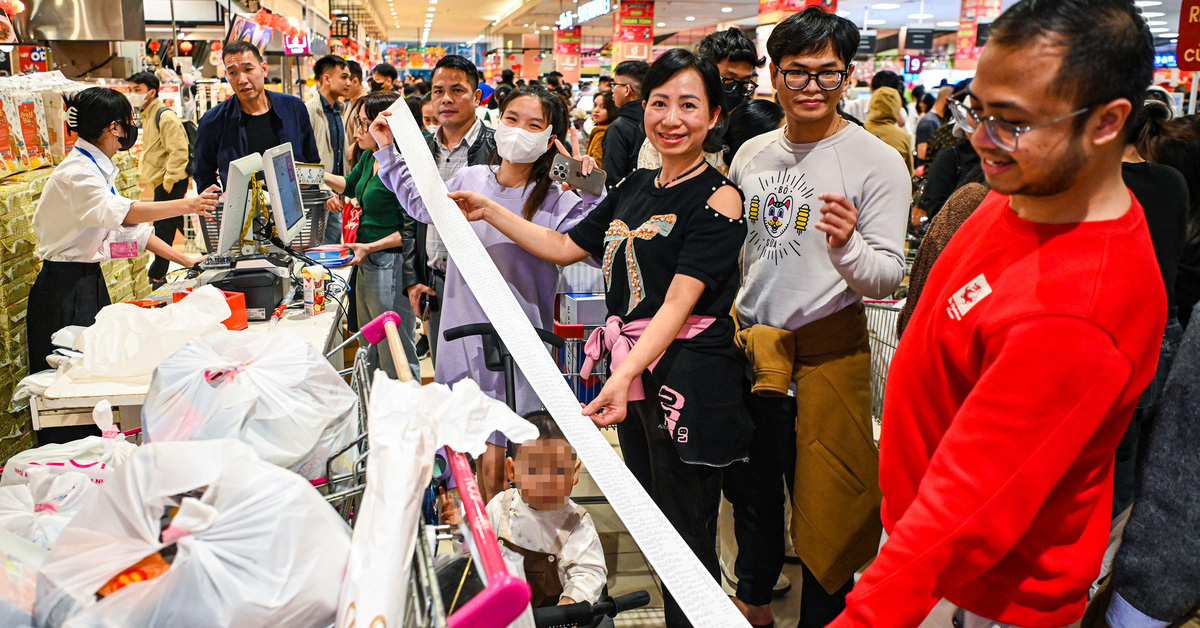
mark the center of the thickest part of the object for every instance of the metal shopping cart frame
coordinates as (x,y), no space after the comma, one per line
(504,596)
(882,317)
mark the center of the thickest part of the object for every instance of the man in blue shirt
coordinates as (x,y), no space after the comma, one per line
(325,114)
(253,122)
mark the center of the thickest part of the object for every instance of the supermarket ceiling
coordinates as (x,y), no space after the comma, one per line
(463,20)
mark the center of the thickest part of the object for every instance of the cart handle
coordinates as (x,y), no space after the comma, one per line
(505,597)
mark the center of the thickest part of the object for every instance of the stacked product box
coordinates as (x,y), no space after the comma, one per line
(18,269)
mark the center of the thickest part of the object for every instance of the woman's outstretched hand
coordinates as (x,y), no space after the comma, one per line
(610,406)
(473,204)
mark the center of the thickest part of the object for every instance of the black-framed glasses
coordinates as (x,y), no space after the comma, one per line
(1003,134)
(615,84)
(827,80)
(733,86)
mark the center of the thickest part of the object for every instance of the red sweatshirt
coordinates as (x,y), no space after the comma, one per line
(1015,381)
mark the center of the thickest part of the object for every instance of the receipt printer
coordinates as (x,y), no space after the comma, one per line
(264,288)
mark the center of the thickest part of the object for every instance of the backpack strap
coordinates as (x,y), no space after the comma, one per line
(569,526)
(506,514)
(158,118)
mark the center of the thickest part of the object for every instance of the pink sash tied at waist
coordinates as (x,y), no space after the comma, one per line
(615,339)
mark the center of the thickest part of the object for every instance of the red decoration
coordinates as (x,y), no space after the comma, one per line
(12,7)
(185,46)
(512,57)
(154,46)
(216,46)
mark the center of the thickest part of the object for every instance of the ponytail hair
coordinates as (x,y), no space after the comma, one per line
(91,111)
(1176,143)
(555,112)
(1148,123)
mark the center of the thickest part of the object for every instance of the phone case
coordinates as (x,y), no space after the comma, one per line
(567,170)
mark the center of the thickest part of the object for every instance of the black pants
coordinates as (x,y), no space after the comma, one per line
(65,293)
(688,494)
(755,489)
(166,228)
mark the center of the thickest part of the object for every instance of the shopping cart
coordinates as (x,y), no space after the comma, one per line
(570,360)
(881,328)
(505,596)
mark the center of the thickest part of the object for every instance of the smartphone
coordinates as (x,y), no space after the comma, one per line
(568,170)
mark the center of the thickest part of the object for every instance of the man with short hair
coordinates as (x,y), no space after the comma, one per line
(325,113)
(826,205)
(461,140)
(384,77)
(506,78)
(165,151)
(932,121)
(357,89)
(253,121)
(604,83)
(625,135)
(1034,338)
(737,60)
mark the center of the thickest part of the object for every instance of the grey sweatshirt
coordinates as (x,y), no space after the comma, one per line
(790,275)
(1157,569)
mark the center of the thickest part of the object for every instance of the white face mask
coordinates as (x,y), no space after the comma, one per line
(520,146)
(433,128)
(135,99)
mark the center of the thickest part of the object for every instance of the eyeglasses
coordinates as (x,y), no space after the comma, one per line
(1003,134)
(827,80)
(732,86)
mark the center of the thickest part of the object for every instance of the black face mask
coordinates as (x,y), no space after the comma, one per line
(376,86)
(734,96)
(131,135)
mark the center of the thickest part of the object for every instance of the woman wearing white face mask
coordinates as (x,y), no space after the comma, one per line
(532,120)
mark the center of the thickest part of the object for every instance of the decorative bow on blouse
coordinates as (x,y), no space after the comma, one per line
(618,232)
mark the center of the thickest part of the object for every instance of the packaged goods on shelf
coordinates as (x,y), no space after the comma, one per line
(30,122)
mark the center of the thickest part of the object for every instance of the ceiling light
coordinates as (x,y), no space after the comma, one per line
(545,28)
(1156,23)
(843,13)
(1152,14)
(689,18)
(661,25)
(1172,35)
(433,1)
(1174,41)
(947,24)
(1148,3)
(726,9)
(431,9)
(1160,29)
(875,22)
(885,6)
(920,16)
(524,26)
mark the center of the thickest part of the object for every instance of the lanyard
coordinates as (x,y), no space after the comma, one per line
(112,189)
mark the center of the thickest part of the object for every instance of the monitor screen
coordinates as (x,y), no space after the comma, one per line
(289,189)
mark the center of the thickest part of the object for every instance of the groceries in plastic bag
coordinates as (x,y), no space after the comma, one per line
(273,391)
(39,511)
(94,456)
(19,564)
(407,423)
(126,342)
(197,534)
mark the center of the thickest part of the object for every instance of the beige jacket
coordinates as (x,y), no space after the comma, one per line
(165,150)
(320,125)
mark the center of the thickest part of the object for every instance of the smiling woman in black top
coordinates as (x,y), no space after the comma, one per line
(669,241)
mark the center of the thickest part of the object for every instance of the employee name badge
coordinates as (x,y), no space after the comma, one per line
(123,247)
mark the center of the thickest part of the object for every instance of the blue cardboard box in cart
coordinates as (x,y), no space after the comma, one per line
(578,315)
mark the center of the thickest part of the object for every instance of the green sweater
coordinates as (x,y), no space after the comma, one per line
(382,214)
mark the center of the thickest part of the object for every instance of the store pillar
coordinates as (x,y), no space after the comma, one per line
(530,63)
(633,32)
(567,51)
(966,55)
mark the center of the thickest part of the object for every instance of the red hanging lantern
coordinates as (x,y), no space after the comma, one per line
(216,46)
(185,46)
(263,17)
(154,46)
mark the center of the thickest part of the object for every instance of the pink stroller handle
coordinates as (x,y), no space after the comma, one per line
(373,331)
(505,596)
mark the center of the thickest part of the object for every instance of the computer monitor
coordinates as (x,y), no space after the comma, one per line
(287,207)
(237,201)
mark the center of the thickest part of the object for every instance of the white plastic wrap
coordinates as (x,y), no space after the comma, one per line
(19,563)
(39,511)
(273,391)
(126,342)
(259,546)
(407,423)
(94,456)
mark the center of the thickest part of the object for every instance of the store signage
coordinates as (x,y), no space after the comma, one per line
(633,31)
(1164,60)
(296,45)
(1188,47)
(32,58)
(913,64)
(918,38)
(866,43)
(584,13)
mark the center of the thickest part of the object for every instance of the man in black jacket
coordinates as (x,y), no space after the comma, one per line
(461,141)
(625,134)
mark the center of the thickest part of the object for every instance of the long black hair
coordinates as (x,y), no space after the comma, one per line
(95,109)
(555,112)
(750,119)
(677,60)
(1176,143)
(371,105)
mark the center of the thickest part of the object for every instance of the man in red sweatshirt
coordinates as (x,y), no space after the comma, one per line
(1039,328)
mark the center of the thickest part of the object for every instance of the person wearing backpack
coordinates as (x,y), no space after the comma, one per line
(166,151)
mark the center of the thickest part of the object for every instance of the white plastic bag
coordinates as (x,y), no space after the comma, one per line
(407,423)
(38,512)
(19,563)
(126,342)
(254,545)
(94,456)
(274,391)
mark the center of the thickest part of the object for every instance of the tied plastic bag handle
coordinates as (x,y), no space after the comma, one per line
(49,507)
(103,417)
(193,516)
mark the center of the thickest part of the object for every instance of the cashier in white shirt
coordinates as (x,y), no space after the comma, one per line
(82,221)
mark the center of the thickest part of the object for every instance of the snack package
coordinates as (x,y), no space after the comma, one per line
(197,534)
